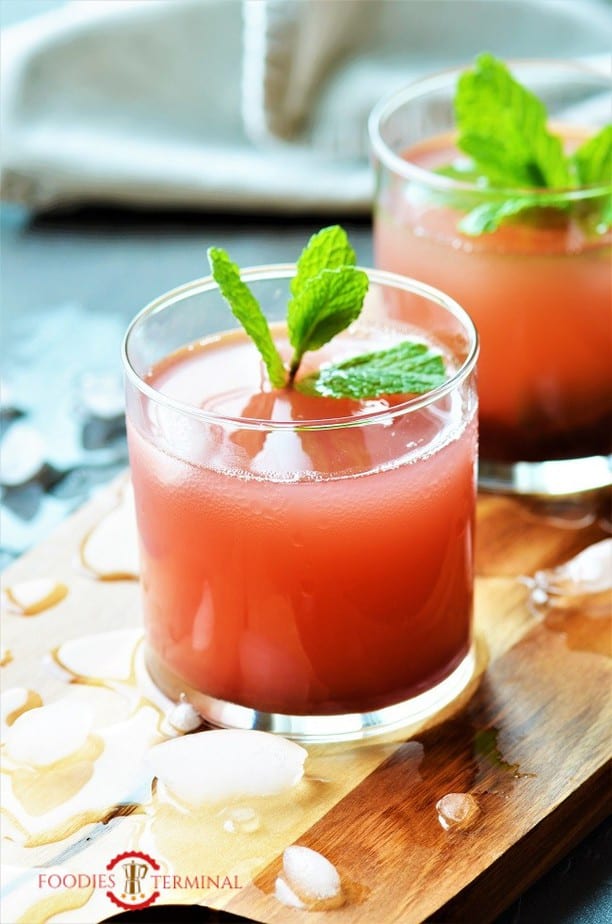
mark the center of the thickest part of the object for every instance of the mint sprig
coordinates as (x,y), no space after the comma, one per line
(327,295)
(247,310)
(408,367)
(593,165)
(502,126)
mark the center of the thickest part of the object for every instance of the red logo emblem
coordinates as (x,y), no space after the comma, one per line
(135,880)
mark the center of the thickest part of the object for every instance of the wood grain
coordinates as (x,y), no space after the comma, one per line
(532,745)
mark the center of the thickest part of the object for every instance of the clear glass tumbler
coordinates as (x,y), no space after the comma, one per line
(539,288)
(306,561)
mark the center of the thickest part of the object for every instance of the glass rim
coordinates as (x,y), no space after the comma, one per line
(287,271)
(441,78)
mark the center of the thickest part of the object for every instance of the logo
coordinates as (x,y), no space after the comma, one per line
(136,881)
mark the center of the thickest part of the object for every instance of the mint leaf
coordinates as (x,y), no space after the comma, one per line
(329,248)
(463,172)
(593,164)
(325,305)
(406,368)
(502,126)
(593,159)
(247,310)
(327,296)
(489,216)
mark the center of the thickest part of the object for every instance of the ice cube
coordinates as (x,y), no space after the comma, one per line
(46,734)
(589,572)
(456,810)
(22,454)
(310,875)
(226,764)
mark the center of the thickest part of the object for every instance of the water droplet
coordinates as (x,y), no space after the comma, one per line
(457,810)
(240,820)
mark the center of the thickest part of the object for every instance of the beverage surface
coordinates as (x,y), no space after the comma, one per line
(224,375)
(545,230)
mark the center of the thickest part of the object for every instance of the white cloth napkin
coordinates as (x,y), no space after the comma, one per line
(258,105)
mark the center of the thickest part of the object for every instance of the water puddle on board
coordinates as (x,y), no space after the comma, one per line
(109,765)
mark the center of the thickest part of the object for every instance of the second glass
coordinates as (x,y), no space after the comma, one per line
(539,288)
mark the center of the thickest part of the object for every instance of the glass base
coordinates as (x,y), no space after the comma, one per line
(560,478)
(322,728)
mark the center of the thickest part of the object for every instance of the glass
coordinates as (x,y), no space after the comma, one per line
(307,575)
(539,288)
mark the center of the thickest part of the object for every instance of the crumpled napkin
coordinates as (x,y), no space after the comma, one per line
(258,105)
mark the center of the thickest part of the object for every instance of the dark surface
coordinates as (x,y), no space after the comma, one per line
(69,285)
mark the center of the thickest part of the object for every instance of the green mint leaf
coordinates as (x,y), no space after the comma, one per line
(464,173)
(329,248)
(247,310)
(593,159)
(325,305)
(502,126)
(605,219)
(488,217)
(593,164)
(406,368)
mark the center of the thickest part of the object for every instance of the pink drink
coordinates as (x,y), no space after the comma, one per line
(538,287)
(302,556)
(545,391)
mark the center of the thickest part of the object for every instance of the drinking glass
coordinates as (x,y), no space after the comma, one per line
(539,288)
(303,571)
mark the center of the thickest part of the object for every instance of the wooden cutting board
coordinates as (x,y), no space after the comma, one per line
(530,743)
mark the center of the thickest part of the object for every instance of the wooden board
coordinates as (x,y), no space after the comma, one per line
(531,744)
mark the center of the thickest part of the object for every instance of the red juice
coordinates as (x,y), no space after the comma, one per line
(539,290)
(301,571)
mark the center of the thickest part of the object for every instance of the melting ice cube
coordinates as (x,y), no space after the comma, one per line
(46,734)
(23,454)
(184,718)
(311,877)
(456,810)
(225,764)
(32,597)
(589,572)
